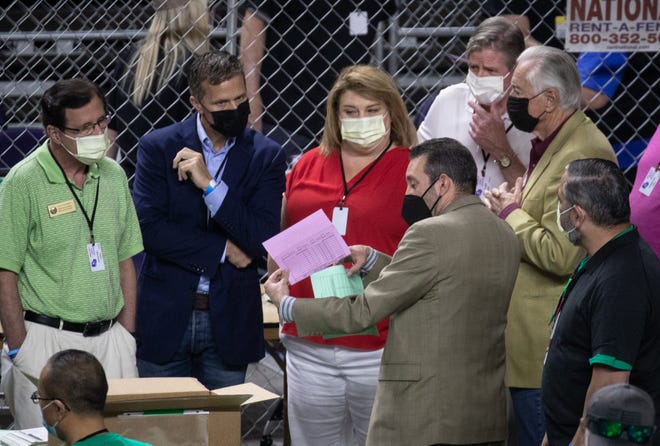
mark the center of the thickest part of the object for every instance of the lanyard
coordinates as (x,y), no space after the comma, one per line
(93,434)
(567,287)
(566,290)
(348,190)
(486,156)
(90,222)
(222,165)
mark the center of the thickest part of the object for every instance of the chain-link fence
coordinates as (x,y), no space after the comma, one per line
(300,45)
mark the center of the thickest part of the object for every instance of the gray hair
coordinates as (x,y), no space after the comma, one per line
(498,34)
(599,187)
(553,68)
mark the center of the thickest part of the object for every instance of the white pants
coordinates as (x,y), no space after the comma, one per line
(115,349)
(331,390)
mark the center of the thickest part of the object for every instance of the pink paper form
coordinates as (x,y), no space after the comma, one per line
(307,247)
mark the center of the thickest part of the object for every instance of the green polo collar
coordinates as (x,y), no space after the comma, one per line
(53,173)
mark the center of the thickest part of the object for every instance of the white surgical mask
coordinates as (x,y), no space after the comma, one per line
(363,131)
(91,149)
(559,214)
(485,90)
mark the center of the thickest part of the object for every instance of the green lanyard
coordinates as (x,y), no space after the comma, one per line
(564,292)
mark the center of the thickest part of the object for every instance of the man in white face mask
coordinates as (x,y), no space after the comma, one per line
(69,232)
(474,112)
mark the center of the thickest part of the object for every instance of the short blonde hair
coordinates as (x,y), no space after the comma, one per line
(375,84)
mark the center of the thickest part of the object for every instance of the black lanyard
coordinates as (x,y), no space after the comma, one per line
(222,164)
(90,222)
(94,434)
(348,190)
(486,156)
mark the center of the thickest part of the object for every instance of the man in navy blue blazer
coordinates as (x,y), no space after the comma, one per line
(207,192)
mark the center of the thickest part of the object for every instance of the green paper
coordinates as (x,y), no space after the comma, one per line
(333,282)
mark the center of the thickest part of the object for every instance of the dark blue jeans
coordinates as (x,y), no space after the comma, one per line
(530,421)
(196,357)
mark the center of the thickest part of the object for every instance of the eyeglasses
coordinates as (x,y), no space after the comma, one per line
(615,429)
(36,398)
(88,129)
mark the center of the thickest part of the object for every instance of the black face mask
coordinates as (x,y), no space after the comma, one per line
(517,108)
(414,207)
(231,123)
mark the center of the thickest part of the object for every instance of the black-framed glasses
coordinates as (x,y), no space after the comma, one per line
(88,129)
(36,398)
(615,429)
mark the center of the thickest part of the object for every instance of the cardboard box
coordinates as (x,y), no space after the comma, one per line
(178,411)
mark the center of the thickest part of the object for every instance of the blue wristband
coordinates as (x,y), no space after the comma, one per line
(12,353)
(210,188)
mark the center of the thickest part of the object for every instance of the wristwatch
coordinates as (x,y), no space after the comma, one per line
(504,162)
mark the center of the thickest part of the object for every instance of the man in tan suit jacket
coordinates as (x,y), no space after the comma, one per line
(545,94)
(447,290)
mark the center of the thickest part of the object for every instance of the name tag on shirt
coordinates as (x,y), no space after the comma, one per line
(95,257)
(57,209)
(340,219)
(650,181)
(358,23)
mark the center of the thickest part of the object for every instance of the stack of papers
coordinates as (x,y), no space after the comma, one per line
(25,437)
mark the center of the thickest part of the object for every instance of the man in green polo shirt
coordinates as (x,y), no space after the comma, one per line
(69,232)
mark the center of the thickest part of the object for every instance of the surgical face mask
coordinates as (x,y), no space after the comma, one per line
(50,428)
(363,131)
(231,123)
(90,149)
(414,207)
(517,108)
(572,236)
(487,89)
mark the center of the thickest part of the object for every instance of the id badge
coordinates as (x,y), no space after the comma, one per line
(95,256)
(483,184)
(650,181)
(340,219)
(358,22)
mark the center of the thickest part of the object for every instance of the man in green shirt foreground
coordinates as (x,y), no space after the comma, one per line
(71,396)
(69,232)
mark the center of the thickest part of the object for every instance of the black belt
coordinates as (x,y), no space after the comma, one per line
(86,328)
(201,302)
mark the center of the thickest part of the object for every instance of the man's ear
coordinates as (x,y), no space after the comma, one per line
(196,104)
(579,216)
(443,185)
(53,134)
(61,407)
(552,99)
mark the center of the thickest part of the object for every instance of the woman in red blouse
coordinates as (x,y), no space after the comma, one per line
(357,176)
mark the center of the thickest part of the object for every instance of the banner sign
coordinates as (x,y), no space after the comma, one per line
(612,25)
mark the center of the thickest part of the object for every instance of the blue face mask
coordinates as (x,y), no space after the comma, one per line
(51,429)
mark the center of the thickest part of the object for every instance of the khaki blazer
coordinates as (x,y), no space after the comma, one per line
(548,258)
(447,290)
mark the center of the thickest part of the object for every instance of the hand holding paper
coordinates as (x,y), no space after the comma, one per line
(307,247)
(277,286)
(359,255)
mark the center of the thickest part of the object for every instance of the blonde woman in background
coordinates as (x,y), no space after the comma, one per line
(150,82)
